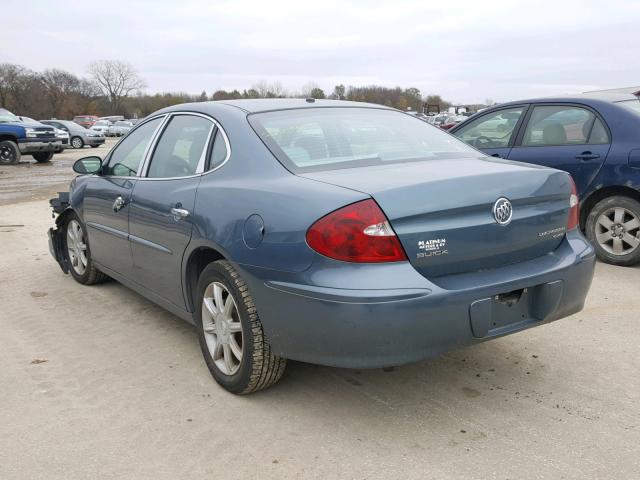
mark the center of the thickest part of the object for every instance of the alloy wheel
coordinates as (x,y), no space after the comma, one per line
(617,231)
(76,143)
(76,247)
(222,328)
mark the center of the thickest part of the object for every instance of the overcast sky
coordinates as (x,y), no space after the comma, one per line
(467,51)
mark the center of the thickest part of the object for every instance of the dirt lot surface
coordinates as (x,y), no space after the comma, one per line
(97,382)
(30,180)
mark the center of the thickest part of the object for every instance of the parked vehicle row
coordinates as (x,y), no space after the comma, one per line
(330,232)
(78,135)
(112,129)
(595,138)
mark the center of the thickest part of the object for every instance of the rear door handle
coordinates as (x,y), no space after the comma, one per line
(179,213)
(587,156)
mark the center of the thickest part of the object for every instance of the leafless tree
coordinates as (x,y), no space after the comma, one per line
(117,80)
(269,90)
(60,87)
(14,82)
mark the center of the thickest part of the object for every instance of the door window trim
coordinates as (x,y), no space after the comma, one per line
(527,116)
(206,152)
(516,129)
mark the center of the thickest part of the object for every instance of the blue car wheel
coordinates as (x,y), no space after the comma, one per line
(230,333)
(613,226)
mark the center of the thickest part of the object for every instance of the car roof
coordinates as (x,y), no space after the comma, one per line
(270,104)
(606,97)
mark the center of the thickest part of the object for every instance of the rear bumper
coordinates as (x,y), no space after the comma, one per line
(37,145)
(346,315)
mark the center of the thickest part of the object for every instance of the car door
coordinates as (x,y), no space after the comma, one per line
(564,136)
(161,215)
(492,132)
(107,198)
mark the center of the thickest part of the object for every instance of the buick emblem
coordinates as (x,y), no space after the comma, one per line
(502,211)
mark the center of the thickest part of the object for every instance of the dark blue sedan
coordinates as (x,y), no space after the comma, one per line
(331,232)
(594,137)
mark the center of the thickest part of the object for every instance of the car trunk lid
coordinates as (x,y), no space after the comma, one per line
(442,210)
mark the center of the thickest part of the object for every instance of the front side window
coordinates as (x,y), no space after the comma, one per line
(313,139)
(558,125)
(127,156)
(492,130)
(180,148)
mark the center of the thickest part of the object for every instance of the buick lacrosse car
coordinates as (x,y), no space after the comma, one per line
(338,233)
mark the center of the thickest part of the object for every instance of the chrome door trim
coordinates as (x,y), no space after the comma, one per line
(149,244)
(110,230)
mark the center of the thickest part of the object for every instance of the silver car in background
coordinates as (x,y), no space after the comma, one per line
(120,128)
(101,127)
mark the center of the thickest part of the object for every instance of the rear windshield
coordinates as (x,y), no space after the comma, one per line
(314,139)
(631,105)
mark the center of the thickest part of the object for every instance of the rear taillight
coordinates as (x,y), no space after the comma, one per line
(359,232)
(574,213)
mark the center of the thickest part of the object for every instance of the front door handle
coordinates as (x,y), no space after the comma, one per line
(118,204)
(179,213)
(587,156)
(497,155)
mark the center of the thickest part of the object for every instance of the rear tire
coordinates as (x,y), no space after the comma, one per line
(78,253)
(613,227)
(220,334)
(9,153)
(43,157)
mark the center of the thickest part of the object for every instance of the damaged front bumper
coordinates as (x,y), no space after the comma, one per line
(59,206)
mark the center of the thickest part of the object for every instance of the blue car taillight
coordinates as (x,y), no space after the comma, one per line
(359,232)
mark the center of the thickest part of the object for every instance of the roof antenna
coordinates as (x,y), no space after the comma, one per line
(310,100)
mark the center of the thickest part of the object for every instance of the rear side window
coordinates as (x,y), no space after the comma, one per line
(558,125)
(181,147)
(492,130)
(219,151)
(314,139)
(599,133)
(127,156)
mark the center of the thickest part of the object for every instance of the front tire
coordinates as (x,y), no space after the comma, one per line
(78,254)
(613,226)
(230,332)
(9,153)
(77,142)
(43,157)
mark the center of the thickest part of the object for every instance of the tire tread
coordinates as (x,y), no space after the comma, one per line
(268,368)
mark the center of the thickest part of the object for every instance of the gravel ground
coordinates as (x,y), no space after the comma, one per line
(30,180)
(97,382)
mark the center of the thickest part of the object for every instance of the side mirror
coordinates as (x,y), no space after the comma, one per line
(88,165)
